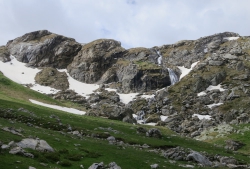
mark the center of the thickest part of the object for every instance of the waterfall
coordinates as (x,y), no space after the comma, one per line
(173,77)
(141,115)
(159,59)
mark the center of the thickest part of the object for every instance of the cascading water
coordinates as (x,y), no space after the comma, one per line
(141,115)
(173,77)
(159,59)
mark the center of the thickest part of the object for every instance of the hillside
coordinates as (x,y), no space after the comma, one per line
(169,96)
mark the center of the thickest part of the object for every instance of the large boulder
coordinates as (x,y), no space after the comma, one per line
(35,144)
(199,158)
(53,78)
(44,49)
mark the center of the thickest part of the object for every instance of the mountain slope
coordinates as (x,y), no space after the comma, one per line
(91,143)
(210,103)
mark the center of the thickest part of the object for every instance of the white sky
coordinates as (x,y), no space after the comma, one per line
(135,23)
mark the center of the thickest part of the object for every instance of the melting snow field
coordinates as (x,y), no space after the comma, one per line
(18,72)
(81,88)
(44,89)
(185,71)
(66,109)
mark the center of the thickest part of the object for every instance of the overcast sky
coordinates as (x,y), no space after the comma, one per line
(136,23)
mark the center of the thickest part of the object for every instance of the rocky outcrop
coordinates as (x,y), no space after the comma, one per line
(44,49)
(4,54)
(94,60)
(142,78)
(186,52)
(35,144)
(133,70)
(53,78)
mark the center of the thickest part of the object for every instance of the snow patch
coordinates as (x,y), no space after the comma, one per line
(208,117)
(231,38)
(147,96)
(163,118)
(126,98)
(185,71)
(18,72)
(215,87)
(213,105)
(81,88)
(66,109)
(110,90)
(150,124)
(202,93)
(44,89)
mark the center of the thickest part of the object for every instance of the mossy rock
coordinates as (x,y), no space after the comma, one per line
(53,78)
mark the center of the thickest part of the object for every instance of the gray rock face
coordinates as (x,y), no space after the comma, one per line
(215,63)
(186,52)
(34,144)
(94,60)
(105,61)
(43,48)
(199,158)
(4,54)
(230,57)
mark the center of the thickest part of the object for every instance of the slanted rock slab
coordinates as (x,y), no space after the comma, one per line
(35,144)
